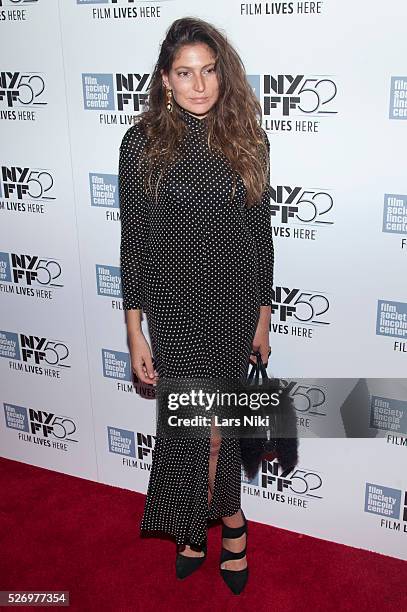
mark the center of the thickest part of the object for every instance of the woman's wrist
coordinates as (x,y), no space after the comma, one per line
(133,320)
(134,332)
(265,315)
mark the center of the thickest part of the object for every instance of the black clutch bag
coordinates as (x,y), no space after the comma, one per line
(276,434)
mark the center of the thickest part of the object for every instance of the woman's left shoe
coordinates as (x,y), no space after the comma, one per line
(184,566)
(235,579)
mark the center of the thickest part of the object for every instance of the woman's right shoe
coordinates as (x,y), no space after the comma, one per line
(184,566)
(235,579)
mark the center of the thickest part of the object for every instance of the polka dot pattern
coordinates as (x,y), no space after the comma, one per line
(199,264)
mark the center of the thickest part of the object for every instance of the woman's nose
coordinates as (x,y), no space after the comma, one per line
(199,84)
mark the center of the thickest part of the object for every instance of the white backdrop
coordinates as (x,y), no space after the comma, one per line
(332,79)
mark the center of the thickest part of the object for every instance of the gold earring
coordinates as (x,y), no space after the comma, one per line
(169,99)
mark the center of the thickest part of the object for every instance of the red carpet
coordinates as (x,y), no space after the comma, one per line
(59,532)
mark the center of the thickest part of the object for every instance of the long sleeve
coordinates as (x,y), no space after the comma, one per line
(258,221)
(134,216)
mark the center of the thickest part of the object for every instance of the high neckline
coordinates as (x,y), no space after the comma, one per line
(193,122)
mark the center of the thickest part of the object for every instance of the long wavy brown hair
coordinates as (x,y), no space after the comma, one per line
(234,122)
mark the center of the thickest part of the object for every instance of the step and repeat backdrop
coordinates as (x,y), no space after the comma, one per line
(332,80)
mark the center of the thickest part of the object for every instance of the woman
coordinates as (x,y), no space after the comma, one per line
(197,256)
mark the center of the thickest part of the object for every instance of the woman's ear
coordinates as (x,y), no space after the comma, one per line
(165,79)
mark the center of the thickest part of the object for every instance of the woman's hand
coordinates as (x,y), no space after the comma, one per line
(262,336)
(141,359)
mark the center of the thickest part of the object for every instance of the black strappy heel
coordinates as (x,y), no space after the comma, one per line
(185,566)
(235,579)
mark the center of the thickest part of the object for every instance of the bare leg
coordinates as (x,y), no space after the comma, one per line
(215,440)
(234,544)
(236,520)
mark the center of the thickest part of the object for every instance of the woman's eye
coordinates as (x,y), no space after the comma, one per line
(184,74)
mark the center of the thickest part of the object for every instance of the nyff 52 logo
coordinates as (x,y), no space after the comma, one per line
(22,89)
(31,270)
(48,424)
(271,479)
(306,206)
(40,422)
(287,94)
(300,306)
(19,183)
(36,350)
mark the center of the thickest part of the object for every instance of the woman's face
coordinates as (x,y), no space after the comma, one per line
(193,79)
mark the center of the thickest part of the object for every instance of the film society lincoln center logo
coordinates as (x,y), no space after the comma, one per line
(398,97)
(115,92)
(388,503)
(117,367)
(395,216)
(136,448)
(391,321)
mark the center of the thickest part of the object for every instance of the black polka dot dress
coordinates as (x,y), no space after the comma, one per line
(200,264)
